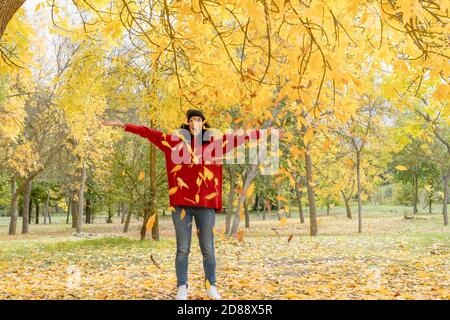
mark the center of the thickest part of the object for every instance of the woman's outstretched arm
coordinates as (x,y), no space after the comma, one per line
(154,136)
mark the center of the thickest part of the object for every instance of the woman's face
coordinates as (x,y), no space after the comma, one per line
(195,125)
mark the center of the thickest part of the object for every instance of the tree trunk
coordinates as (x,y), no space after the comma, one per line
(88,211)
(155,229)
(430,203)
(109,220)
(358,182)
(253,171)
(37,212)
(92,211)
(8,9)
(298,193)
(416,193)
(124,212)
(311,197)
(26,208)
(30,210)
(128,218)
(230,202)
(68,210)
(144,223)
(348,210)
(266,207)
(74,213)
(79,222)
(259,204)
(153,193)
(237,217)
(47,209)
(247,216)
(13,210)
(446,196)
(256,203)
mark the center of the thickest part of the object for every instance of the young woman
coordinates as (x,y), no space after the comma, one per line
(194,171)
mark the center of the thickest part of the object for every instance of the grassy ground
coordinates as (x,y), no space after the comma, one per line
(395,258)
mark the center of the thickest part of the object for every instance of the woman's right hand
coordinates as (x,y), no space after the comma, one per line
(113,123)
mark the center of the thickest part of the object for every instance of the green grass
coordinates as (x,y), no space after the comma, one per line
(411,255)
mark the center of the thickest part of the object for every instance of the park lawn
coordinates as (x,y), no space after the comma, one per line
(394,258)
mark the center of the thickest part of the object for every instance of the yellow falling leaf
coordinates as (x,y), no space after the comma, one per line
(312,184)
(181,183)
(190,200)
(211,195)
(401,168)
(326,145)
(281,198)
(173,190)
(176,168)
(208,174)
(283,221)
(240,235)
(151,221)
(250,190)
(141,176)
(348,162)
(183,214)
(199,181)
(165,143)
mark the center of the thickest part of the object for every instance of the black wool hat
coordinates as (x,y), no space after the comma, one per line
(193,113)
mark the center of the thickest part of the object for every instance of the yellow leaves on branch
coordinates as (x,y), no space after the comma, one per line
(25,159)
(442,92)
(196,6)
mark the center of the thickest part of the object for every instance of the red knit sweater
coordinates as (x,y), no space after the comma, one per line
(197,180)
